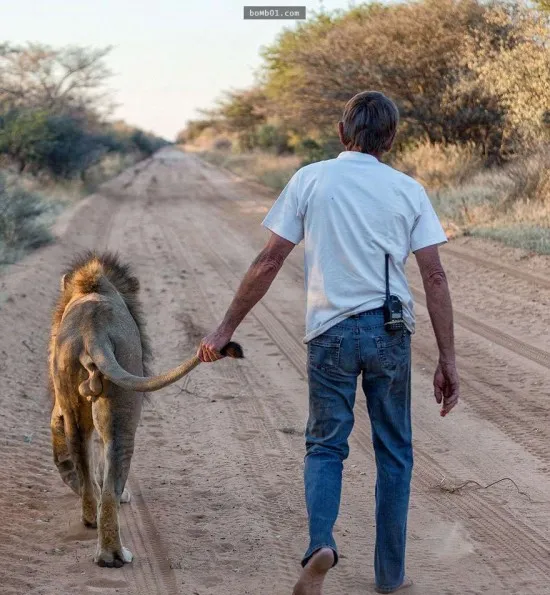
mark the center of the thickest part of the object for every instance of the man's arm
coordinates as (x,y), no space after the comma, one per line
(252,289)
(438,301)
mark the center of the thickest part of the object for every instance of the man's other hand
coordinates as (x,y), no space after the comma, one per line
(211,346)
(446,389)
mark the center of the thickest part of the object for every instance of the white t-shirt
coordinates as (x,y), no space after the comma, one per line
(351,211)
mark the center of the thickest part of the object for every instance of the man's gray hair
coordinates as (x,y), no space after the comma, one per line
(370,121)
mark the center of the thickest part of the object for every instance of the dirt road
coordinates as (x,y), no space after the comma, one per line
(217,473)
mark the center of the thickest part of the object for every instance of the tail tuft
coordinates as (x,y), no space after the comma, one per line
(234,350)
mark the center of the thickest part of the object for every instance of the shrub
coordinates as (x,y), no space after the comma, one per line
(271,170)
(272,138)
(194,129)
(24,221)
(316,150)
(438,165)
(21,132)
(222,144)
(309,150)
(517,194)
(68,150)
(530,178)
(145,143)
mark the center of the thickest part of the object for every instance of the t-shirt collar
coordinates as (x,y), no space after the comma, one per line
(358,156)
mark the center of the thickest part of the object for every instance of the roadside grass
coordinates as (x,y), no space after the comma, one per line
(437,165)
(274,171)
(510,204)
(530,238)
(29,205)
(25,219)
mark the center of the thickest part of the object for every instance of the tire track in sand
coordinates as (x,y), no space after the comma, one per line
(461,254)
(150,571)
(535,354)
(275,505)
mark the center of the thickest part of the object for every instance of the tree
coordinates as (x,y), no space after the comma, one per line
(409,51)
(68,150)
(506,65)
(38,140)
(435,58)
(66,80)
(241,113)
(20,134)
(194,129)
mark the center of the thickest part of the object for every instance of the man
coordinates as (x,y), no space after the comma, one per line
(352,211)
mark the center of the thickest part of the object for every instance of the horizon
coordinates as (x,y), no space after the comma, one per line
(167,63)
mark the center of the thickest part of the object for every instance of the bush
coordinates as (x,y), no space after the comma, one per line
(21,132)
(68,150)
(272,138)
(530,178)
(58,145)
(310,150)
(146,144)
(222,144)
(24,221)
(193,130)
(65,146)
(515,195)
(316,150)
(439,165)
(274,171)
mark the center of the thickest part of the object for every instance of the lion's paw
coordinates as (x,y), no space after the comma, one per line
(113,559)
(89,514)
(126,496)
(127,554)
(90,523)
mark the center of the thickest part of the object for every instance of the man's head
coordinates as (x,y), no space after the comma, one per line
(369,123)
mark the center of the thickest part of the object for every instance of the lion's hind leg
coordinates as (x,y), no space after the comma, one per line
(79,441)
(61,456)
(110,551)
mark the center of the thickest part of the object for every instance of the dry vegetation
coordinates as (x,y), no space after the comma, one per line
(472,82)
(56,142)
(273,171)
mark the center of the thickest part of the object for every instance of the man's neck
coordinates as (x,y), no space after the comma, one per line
(358,150)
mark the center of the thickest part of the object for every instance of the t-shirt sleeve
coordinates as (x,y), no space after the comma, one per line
(427,229)
(285,217)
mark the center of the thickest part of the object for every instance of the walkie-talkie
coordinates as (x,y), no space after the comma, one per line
(393,309)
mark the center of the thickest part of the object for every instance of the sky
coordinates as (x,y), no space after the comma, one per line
(170,57)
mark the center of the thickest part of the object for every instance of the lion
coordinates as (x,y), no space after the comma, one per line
(98,356)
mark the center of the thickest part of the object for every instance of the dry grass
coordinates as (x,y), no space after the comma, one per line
(531,238)
(109,167)
(271,170)
(25,218)
(510,204)
(29,205)
(438,166)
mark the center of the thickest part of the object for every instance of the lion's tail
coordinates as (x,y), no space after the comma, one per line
(105,361)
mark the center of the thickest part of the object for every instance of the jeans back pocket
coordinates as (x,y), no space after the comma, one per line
(393,349)
(324,352)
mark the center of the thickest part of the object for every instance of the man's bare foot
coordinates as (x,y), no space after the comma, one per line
(313,575)
(404,585)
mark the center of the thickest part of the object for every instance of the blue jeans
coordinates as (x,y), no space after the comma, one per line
(360,345)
